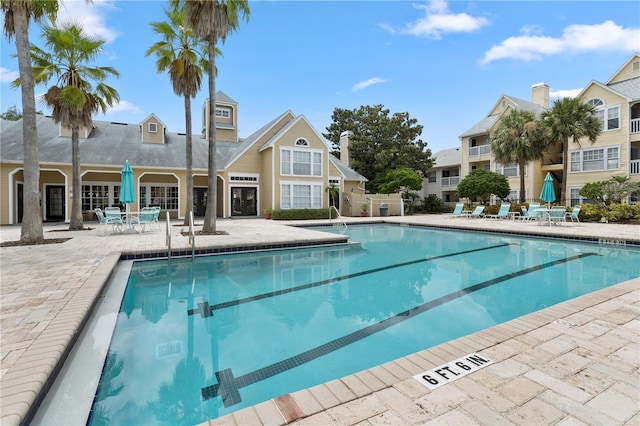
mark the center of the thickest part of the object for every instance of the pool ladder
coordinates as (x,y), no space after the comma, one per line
(339,216)
(192,237)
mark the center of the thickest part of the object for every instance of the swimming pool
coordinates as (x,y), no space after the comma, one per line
(231,331)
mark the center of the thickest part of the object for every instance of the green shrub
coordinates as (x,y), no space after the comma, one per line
(433,204)
(612,212)
(303,214)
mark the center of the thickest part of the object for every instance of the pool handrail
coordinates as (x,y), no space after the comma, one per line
(339,215)
(168,238)
(192,236)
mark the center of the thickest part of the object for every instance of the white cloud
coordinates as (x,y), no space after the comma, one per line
(439,20)
(364,84)
(91,15)
(567,93)
(7,75)
(123,106)
(607,36)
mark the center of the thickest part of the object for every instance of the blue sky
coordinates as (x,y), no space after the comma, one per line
(446,63)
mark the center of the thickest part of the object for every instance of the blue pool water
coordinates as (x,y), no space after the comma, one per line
(197,341)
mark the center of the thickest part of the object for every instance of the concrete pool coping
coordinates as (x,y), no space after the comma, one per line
(48,291)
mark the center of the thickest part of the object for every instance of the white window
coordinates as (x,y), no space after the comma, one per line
(302,142)
(586,160)
(575,198)
(223,112)
(300,162)
(300,196)
(609,118)
(153,128)
(164,196)
(99,196)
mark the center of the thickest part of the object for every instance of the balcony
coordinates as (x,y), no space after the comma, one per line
(477,151)
(450,181)
(634,167)
(634,125)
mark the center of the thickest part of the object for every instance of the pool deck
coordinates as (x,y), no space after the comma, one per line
(574,363)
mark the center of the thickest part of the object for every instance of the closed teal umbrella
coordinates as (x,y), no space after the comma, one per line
(127,190)
(548,194)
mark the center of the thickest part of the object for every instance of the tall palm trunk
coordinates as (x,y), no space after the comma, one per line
(565,168)
(76,183)
(521,165)
(31,231)
(189,158)
(209,226)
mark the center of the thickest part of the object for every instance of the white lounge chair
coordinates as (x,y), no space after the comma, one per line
(477,212)
(503,213)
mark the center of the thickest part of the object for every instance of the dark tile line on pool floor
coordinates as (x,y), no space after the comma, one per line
(228,386)
(202,310)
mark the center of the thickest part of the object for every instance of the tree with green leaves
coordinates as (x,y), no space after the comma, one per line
(12,114)
(380,142)
(518,138)
(570,120)
(17,15)
(184,57)
(609,191)
(79,90)
(401,178)
(212,21)
(481,183)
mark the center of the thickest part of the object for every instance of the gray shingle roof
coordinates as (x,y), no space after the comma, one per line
(448,157)
(347,172)
(629,88)
(482,126)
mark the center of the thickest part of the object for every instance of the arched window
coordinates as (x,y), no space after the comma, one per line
(609,118)
(302,142)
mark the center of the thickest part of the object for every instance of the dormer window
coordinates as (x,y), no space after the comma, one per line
(153,127)
(223,112)
(302,142)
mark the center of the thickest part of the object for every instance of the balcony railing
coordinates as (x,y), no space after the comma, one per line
(634,167)
(450,181)
(634,125)
(476,151)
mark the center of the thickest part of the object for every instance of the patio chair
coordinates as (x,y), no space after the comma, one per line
(573,215)
(156,216)
(145,219)
(114,221)
(477,212)
(503,213)
(530,213)
(557,215)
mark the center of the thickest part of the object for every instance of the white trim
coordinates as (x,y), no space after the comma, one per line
(139,180)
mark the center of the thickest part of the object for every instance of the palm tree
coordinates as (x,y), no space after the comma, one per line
(213,20)
(184,57)
(518,138)
(17,14)
(570,118)
(74,99)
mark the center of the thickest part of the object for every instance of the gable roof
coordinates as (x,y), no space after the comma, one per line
(634,57)
(487,123)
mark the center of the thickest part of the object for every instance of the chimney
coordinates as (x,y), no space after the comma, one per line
(344,147)
(540,94)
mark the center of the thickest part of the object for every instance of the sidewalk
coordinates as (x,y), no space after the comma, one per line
(544,372)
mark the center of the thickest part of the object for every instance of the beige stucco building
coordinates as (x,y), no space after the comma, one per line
(285,164)
(616,151)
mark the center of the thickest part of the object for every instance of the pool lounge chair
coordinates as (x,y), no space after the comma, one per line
(114,221)
(457,211)
(573,215)
(477,212)
(503,213)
